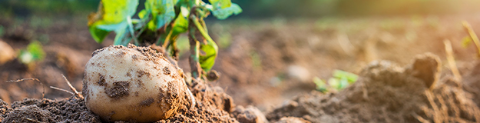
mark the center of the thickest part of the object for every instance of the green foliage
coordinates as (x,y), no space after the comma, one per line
(162,12)
(321,85)
(163,21)
(339,81)
(208,59)
(343,75)
(222,9)
(32,53)
(112,16)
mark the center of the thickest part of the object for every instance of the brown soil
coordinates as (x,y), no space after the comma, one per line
(472,82)
(388,93)
(213,105)
(34,110)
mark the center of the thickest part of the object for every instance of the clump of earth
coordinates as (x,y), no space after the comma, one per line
(386,92)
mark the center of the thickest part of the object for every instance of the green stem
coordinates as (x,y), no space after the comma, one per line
(195,55)
(201,29)
(167,39)
(130,25)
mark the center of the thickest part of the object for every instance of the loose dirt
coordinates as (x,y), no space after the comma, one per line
(213,105)
(388,93)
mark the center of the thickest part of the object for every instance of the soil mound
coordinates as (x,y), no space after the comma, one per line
(472,82)
(388,93)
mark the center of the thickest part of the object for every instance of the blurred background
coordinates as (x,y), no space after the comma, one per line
(275,48)
(265,8)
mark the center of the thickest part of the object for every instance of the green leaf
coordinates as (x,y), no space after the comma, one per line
(350,77)
(343,83)
(116,11)
(144,17)
(466,41)
(121,37)
(321,85)
(223,13)
(221,4)
(111,16)
(163,12)
(98,34)
(180,25)
(36,49)
(333,83)
(113,27)
(207,60)
(142,14)
(33,52)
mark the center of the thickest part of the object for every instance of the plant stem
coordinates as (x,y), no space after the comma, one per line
(473,36)
(130,25)
(174,48)
(201,29)
(167,39)
(194,57)
(451,61)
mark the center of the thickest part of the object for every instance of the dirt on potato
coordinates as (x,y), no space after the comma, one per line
(388,93)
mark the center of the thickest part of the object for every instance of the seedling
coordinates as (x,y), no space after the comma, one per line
(471,38)
(161,23)
(339,81)
(32,53)
(321,85)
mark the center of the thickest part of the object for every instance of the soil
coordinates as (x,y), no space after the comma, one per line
(472,82)
(213,105)
(267,69)
(262,58)
(388,93)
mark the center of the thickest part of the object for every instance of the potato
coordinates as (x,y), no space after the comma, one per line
(132,84)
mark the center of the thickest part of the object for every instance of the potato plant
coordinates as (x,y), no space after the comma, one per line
(160,24)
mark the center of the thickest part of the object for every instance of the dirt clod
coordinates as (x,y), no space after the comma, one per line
(101,81)
(426,67)
(166,71)
(119,89)
(147,102)
(249,115)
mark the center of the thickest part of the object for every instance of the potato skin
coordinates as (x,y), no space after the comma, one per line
(132,84)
